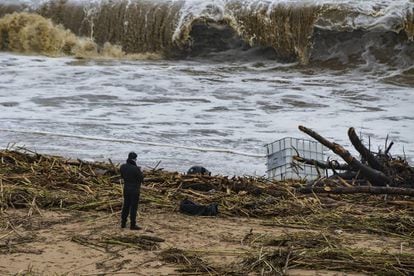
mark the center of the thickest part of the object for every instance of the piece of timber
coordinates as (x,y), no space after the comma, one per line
(377,178)
(322,165)
(365,153)
(358,189)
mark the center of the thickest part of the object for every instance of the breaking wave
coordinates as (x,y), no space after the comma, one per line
(306,31)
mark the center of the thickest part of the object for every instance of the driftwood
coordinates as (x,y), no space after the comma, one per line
(365,153)
(374,176)
(375,173)
(358,189)
(322,165)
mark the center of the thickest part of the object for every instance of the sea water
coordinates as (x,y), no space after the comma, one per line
(217,92)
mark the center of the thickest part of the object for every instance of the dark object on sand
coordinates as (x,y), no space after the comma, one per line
(190,208)
(198,170)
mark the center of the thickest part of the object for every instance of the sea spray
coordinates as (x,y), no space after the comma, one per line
(24,32)
(31,33)
(138,26)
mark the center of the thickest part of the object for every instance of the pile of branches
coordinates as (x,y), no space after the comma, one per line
(376,172)
(32,180)
(35,181)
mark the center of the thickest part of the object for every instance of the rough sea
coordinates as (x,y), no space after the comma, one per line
(219,101)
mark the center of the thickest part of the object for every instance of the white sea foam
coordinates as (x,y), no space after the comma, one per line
(77,107)
(131,141)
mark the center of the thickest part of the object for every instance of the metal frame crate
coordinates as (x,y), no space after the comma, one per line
(280,157)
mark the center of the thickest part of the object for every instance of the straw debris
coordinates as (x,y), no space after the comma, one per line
(189,262)
(107,243)
(338,259)
(319,230)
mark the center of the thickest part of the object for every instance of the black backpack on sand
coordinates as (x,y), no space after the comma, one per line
(190,208)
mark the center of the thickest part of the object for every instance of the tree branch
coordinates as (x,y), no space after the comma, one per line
(365,153)
(376,177)
(358,189)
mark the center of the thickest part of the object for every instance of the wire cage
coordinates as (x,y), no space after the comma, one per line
(280,158)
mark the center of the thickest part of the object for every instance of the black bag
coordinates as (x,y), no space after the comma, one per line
(190,208)
(198,170)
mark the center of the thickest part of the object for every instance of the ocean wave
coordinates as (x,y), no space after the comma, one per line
(306,31)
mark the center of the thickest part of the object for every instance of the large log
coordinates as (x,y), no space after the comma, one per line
(365,153)
(358,189)
(322,165)
(377,178)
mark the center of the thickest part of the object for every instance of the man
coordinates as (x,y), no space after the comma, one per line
(133,178)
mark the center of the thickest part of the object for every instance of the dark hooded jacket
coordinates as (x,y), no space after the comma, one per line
(132,175)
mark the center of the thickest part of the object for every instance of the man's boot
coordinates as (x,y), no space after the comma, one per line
(123,224)
(135,227)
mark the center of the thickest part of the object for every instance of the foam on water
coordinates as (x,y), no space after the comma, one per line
(130,141)
(222,93)
(104,109)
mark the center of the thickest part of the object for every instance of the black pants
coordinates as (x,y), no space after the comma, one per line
(130,206)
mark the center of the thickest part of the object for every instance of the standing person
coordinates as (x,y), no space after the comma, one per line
(133,178)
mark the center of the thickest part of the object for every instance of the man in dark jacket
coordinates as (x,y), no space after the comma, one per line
(133,178)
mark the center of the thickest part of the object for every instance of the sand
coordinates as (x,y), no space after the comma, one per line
(43,242)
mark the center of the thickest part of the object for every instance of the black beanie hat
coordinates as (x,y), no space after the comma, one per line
(132,155)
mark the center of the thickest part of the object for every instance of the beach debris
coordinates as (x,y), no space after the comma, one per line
(198,170)
(327,223)
(376,172)
(189,262)
(278,261)
(107,242)
(191,208)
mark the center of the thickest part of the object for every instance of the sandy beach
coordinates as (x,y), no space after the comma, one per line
(50,243)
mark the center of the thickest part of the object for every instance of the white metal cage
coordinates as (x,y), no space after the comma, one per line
(280,157)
